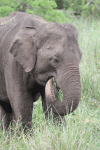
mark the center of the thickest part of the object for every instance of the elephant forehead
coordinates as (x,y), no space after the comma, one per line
(53,29)
(55,41)
(58,31)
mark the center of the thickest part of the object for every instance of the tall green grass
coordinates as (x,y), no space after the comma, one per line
(82,131)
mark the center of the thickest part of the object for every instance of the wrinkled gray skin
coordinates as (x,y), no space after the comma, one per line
(32,51)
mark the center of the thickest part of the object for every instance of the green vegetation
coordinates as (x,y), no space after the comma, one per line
(86,8)
(43,8)
(52,10)
(82,131)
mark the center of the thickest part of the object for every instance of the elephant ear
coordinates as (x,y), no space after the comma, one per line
(24,50)
(68,25)
(75,32)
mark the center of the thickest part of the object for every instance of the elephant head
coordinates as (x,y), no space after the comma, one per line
(51,51)
(59,57)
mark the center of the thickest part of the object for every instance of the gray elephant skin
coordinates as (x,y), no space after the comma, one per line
(33,52)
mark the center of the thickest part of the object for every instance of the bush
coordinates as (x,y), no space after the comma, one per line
(80,7)
(44,8)
(47,10)
(62,4)
(84,7)
(6,7)
(51,9)
(92,8)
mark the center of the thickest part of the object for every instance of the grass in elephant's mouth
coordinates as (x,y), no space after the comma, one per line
(58,92)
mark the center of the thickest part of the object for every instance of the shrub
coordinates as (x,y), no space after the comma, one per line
(84,7)
(80,7)
(6,7)
(44,8)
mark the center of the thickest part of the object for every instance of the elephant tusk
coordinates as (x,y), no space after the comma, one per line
(49,89)
(53,91)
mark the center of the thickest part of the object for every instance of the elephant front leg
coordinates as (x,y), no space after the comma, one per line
(22,113)
(5,119)
(21,101)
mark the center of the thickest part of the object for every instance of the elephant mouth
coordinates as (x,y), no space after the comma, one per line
(53,91)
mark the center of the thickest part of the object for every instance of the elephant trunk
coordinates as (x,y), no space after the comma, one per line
(69,83)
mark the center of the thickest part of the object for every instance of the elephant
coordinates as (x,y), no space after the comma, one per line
(34,54)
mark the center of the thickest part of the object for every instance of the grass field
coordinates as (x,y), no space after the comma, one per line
(82,131)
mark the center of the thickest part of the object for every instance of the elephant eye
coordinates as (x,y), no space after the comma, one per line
(54,61)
